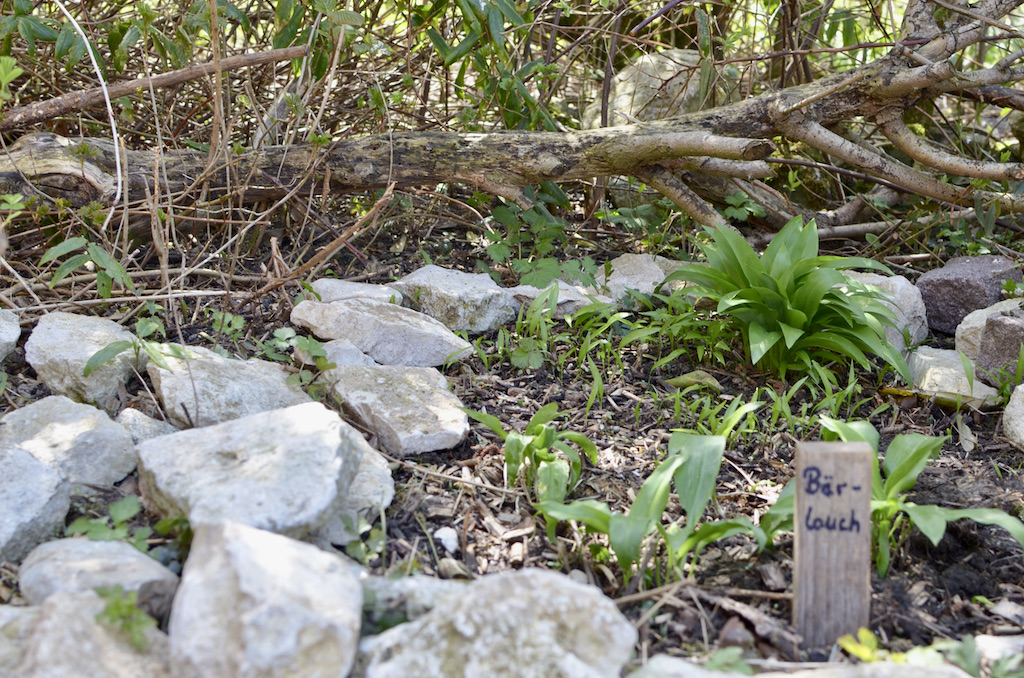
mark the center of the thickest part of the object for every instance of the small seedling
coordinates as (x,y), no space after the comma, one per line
(123,613)
(115,527)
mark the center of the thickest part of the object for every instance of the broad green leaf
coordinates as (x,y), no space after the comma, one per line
(928,518)
(156,352)
(791,334)
(989,516)
(697,476)
(626,534)
(488,420)
(515,451)
(905,458)
(105,355)
(545,414)
(585,444)
(65,247)
(859,431)
(125,509)
(552,482)
(592,513)
(761,341)
(113,267)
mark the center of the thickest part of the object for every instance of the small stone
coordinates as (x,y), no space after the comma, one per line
(34,501)
(409,409)
(208,388)
(461,301)
(970,329)
(143,427)
(281,471)
(252,603)
(390,334)
(10,332)
(82,441)
(448,538)
(82,565)
(963,285)
(62,343)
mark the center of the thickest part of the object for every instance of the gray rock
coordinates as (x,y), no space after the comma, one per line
(252,603)
(212,389)
(390,334)
(1001,342)
(34,501)
(571,298)
(655,86)
(10,332)
(516,624)
(407,598)
(963,285)
(640,272)
(1013,417)
(409,409)
(331,289)
(941,373)
(82,565)
(462,301)
(15,625)
(80,440)
(339,352)
(907,305)
(282,470)
(67,641)
(143,427)
(370,493)
(968,332)
(61,345)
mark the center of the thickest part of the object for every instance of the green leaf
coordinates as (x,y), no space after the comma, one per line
(905,458)
(125,509)
(105,355)
(113,268)
(545,414)
(761,341)
(60,249)
(156,353)
(697,476)
(487,420)
(930,519)
(515,452)
(859,431)
(552,482)
(594,514)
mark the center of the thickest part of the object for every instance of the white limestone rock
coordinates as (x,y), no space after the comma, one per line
(371,491)
(331,289)
(390,334)
(10,332)
(407,598)
(571,298)
(409,409)
(81,564)
(460,300)
(1013,417)
(252,603)
(906,304)
(212,389)
(640,272)
(34,501)
(339,352)
(971,328)
(80,440)
(941,372)
(282,470)
(525,624)
(61,345)
(68,641)
(141,426)
(15,625)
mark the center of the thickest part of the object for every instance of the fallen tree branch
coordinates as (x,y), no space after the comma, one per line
(23,116)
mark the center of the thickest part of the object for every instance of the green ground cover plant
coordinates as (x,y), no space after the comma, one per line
(794,307)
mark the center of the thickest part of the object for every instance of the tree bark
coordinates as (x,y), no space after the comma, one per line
(733,140)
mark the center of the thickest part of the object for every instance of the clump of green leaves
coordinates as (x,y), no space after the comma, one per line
(122,612)
(741,207)
(140,343)
(670,320)
(115,526)
(794,307)
(108,269)
(692,464)
(549,465)
(891,513)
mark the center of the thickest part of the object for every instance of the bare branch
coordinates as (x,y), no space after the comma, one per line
(920,150)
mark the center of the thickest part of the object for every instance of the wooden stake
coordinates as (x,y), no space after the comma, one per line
(832,547)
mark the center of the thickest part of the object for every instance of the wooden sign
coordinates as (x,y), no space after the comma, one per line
(832,542)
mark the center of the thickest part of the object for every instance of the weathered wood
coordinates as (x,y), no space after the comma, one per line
(832,545)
